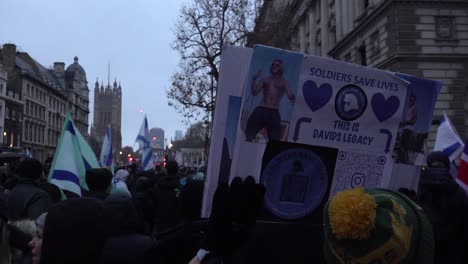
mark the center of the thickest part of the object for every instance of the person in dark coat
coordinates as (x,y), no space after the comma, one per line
(179,244)
(127,244)
(53,191)
(145,200)
(167,207)
(5,251)
(99,183)
(446,205)
(27,200)
(131,179)
(76,231)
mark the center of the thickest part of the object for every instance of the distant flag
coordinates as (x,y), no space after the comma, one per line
(29,153)
(106,158)
(448,140)
(72,157)
(462,176)
(144,145)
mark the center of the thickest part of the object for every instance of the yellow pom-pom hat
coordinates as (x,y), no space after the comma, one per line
(376,226)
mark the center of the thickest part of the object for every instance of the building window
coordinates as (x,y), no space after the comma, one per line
(317,12)
(30,132)
(1,111)
(333,35)
(1,88)
(318,42)
(362,54)
(347,57)
(445,27)
(374,44)
(26,131)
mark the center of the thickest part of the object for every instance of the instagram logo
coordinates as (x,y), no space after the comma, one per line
(358,180)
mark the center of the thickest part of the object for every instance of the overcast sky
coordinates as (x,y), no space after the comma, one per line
(135,36)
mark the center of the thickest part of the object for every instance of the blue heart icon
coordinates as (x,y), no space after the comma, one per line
(316,97)
(384,109)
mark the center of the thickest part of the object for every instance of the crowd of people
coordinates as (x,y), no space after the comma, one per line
(133,216)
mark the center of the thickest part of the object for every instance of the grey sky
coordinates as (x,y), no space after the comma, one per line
(134,36)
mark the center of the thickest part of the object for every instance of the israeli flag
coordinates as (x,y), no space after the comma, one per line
(106,158)
(144,145)
(87,153)
(72,157)
(29,153)
(448,140)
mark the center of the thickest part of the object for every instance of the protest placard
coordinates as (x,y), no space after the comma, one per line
(416,119)
(333,124)
(233,72)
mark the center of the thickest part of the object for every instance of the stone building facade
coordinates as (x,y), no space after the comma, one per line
(38,100)
(3,85)
(423,38)
(107,111)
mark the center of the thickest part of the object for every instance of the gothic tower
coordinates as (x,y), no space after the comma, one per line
(107,111)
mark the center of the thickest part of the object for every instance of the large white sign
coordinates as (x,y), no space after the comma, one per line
(351,110)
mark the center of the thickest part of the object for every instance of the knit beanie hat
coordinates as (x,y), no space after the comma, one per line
(98,179)
(376,226)
(29,169)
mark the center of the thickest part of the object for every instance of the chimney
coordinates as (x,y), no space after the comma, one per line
(59,68)
(9,55)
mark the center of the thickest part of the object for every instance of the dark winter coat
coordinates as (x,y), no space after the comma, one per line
(167,207)
(446,206)
(127,244)
(27,201)
(76,231)
(179,244)
(98,195)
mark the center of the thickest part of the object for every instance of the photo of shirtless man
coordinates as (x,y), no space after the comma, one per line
(266,115)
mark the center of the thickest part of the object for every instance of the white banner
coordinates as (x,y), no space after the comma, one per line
(286,96)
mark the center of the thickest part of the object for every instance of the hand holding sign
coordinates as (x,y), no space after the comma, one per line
(233,214)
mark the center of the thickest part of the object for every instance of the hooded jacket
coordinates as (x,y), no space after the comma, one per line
(27,201)
(127,243)
(446,206)
(75,232)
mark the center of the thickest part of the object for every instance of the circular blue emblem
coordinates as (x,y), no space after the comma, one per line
(350,102)
(296,181)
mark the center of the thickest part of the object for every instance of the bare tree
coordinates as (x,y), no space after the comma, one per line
(202,30)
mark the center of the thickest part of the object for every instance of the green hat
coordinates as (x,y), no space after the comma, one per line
(376,226)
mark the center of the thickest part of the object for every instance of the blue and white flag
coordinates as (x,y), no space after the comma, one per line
(144,145)
(106,158)
(448,140)
(72,157)
(29,153)
(87,153)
